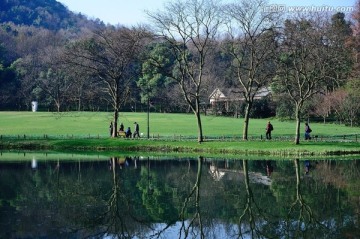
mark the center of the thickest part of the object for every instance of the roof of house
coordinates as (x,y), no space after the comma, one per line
(231,94)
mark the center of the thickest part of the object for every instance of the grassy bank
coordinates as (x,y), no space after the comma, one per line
(89,131)
(274,148)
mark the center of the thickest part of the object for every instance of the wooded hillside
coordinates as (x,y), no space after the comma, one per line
(48,14)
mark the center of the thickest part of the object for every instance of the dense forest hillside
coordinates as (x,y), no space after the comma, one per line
(27,28)
(48,14)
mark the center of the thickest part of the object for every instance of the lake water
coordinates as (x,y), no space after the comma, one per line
(44,195)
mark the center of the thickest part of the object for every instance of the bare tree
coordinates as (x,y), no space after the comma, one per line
(189,28)
(352,109)
(109,55)
(42,78)
(337,99)
(303,62)
(322,106)
(251,45)
(53,80)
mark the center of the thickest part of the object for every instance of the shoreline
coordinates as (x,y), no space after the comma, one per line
(260,148)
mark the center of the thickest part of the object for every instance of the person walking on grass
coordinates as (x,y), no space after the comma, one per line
(307,131)
(136,130)
(268,129)
(111,128)
(128,133)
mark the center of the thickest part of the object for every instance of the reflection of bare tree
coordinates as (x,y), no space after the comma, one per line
(115,218)
(300,215)
(189,225)
(114,207)
(252,213)
(196,218)
(305,210)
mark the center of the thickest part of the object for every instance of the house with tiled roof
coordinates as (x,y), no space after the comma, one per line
(226,99)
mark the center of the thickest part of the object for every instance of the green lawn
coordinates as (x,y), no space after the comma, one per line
(163,124)
(95,124)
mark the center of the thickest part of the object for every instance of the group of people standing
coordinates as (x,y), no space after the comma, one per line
(128,133)
(269,128)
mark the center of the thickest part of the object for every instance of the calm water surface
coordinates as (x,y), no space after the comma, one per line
(72,196)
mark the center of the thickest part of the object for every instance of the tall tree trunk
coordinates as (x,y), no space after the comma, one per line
(246,121)
(79,100)
(116,118)
(297,117)
(198,118)
(57,106)
(79,104)
(116,105)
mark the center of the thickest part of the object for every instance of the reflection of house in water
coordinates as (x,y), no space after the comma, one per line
(228,101)
(237,175)
(215,173)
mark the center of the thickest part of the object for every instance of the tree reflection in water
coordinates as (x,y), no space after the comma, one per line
(120,218)
(191,226)
(252,217)
(131,198)
(116,205)
(195,220)
(301,221)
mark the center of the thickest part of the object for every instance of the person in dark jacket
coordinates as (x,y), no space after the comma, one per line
(128,133)
(307,131)
(268,129)
(136,130)
(111,128)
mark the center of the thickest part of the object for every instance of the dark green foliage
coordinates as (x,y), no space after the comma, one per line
(262,108)
(155,76)
(284,109)
(8,87)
